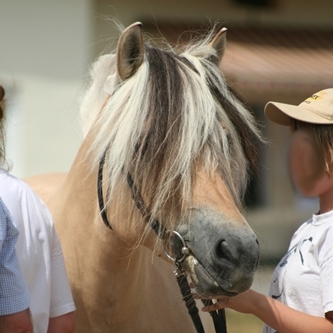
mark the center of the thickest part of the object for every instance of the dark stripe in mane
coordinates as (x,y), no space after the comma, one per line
(249,140)
(159,143)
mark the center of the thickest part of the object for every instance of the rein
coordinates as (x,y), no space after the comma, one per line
(218,316)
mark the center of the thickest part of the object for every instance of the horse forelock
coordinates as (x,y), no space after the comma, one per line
(173,115)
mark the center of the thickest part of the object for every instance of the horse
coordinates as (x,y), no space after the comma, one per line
(164,164)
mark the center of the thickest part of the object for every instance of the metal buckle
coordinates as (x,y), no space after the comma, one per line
(185,249)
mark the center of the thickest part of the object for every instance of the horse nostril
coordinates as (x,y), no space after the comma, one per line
(257,242)
(223,250)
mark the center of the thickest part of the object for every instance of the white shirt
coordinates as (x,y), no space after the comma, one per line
(303,279)
(39,252)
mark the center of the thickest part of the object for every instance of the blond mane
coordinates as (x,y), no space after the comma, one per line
(175,115)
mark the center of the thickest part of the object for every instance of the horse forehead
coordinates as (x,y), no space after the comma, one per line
(210,191)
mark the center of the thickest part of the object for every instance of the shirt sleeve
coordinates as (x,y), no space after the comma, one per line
(61,295)
(14,295)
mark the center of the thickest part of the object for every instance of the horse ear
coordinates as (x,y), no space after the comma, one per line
(130,51)
(219,43)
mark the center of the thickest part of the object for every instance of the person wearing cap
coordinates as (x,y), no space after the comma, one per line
(301,294)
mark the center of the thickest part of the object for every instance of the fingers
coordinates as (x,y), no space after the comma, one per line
(220,304)
(198,296)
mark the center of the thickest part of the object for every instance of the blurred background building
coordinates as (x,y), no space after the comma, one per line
(277,50)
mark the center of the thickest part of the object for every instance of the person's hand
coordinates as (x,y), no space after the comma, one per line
(242,302)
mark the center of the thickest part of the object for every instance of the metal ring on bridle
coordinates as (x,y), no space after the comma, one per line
(185,249)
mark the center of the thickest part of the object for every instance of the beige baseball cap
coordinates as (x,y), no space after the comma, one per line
(317,109)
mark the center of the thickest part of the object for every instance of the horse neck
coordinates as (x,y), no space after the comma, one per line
(79,225)
(108,275)
(75,204)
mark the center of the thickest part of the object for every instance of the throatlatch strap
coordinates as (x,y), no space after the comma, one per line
(159,229)
(102,208)
(155,224)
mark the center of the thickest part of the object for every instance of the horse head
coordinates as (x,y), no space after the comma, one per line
(167,119)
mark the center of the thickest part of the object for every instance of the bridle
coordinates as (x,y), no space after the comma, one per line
(218,316)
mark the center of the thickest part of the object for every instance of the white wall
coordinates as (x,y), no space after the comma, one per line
(43,61)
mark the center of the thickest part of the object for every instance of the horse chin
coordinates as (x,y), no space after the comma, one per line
(204,284)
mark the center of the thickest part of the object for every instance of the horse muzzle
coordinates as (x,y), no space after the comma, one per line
(223,255)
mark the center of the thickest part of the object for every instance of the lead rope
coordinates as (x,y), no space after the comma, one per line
(218,317)
(188,298)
